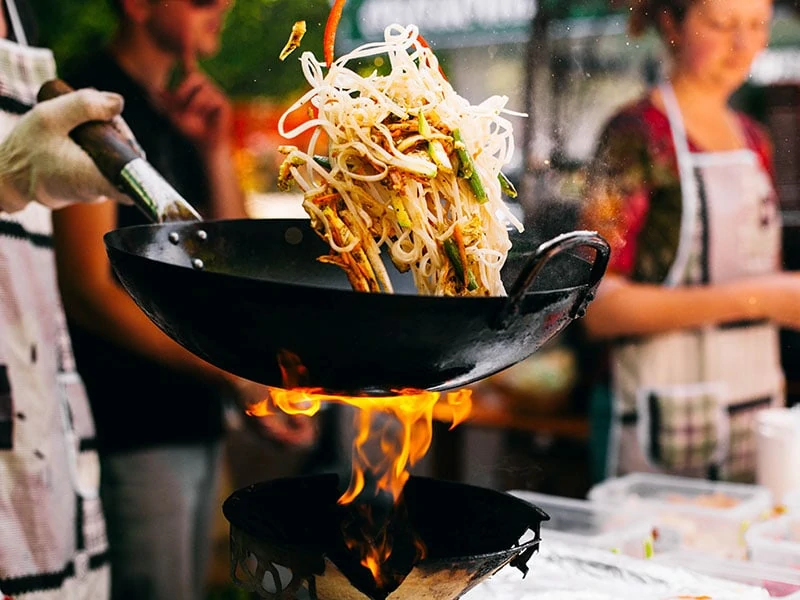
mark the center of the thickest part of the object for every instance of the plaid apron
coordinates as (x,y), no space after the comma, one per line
(685,401)
(52,533)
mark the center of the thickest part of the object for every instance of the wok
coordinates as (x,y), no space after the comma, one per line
(241,293)
(295,524)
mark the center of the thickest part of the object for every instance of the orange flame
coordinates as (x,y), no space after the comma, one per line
(393,432)
(403,438)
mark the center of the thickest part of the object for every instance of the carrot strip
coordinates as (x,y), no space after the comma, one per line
(332,24)
(424,43)
(318,200)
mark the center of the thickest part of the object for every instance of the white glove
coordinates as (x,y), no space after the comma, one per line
(39,161)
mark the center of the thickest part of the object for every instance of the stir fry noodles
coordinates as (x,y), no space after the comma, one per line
(401,162)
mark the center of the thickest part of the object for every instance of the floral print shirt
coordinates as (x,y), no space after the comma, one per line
(634,193)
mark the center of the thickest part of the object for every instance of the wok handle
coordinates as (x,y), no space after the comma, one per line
(546,251)
(123,165)
(109,150)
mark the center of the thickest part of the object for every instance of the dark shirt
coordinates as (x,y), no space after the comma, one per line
(27,19)
(137,402)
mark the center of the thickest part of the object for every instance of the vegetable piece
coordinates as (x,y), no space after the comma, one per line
(424,43)
(323,161)
(323,199)
(298,31)
(435,149)
(451,249)
(472,284)
(331,25)
(467,169)
(418,164)
(359,270)
(462,251)
(285,176)
(402,215)
(506,186)
(648,546)
(439,156)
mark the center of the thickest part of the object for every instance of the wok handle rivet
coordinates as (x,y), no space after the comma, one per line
(583,306)
(202,234)
(197,263)
(174,237)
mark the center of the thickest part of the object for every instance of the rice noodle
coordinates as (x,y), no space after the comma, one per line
(383,190)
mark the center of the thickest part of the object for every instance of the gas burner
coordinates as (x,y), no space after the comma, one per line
(287,540)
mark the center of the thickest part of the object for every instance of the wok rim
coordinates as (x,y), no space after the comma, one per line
(236,495)
(113,238)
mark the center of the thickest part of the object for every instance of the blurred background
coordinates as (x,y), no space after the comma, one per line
(569,66)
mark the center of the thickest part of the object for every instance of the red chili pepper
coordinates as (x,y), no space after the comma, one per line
(331,26)
(424,43)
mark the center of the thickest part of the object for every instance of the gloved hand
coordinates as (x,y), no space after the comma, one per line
(39,161)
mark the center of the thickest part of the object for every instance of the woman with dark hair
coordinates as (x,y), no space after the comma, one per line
(682,187)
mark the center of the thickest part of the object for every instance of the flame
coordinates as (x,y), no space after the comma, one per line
(403,438)
(393,432)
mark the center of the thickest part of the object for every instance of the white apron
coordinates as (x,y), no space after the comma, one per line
(685,401)
(52,533)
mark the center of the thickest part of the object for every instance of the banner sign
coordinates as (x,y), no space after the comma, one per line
(444,23)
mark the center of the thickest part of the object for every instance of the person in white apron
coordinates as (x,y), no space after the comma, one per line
(685,400)
(696,353)
(52,534)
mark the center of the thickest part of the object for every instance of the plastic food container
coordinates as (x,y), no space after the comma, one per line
(779,582)
(569,572)
(778,450)
(791,502)
(705,515)
(776,542)
(584,523)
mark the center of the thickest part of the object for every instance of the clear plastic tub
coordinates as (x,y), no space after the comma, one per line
(709,516)
(779,582)
(791,502)
(776,542)
(584,523)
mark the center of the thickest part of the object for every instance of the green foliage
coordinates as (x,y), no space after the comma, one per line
(562,9)
(247,65)
(70,27)
(255,34)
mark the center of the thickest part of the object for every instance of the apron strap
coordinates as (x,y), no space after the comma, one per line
(689,191)
(16,23)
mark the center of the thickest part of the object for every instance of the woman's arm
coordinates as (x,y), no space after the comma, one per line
(630,177)
(623,308)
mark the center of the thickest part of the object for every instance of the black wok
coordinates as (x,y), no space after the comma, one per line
(295,523)
(240,293)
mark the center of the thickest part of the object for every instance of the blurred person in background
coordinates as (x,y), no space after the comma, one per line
(158,408)
(53,542)
(682,187)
